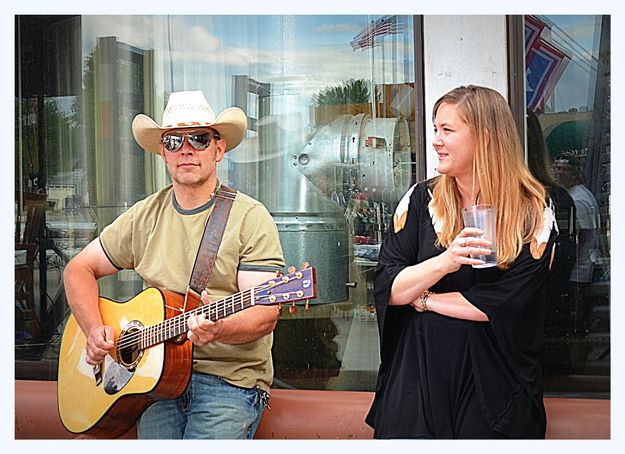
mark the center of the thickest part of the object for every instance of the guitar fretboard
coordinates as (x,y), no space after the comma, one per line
(293,287)
(175,326)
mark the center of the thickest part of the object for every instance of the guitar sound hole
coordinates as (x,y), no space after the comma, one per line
(128,350)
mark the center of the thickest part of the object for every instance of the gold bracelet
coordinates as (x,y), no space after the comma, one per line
(424,299)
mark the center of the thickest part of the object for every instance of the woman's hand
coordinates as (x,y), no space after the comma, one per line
(459,251)
(413,280)
(418,305)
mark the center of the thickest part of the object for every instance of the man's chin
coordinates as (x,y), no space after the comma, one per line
(190,180)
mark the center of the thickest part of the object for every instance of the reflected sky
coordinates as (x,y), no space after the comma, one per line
(302,54)
(578,36)
(299,55)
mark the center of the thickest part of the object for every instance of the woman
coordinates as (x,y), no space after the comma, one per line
(461,346)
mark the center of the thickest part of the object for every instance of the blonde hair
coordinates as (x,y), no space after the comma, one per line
(498,168)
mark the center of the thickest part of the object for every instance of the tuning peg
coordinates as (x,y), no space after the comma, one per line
(305,265)
(279,309)
(293,308)
(291,269)
(307,306)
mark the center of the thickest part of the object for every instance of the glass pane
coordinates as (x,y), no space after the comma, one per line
(329,150)
(568,107)
(54,218)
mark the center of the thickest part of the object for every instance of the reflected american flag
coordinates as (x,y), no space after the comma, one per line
(544,64)
(386,25)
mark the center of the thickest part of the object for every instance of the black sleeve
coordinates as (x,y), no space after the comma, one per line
(513,293)
(515,304)
(506,351)
(398,251)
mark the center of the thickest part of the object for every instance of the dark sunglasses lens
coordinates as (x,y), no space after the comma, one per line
(172,142)
(199,141)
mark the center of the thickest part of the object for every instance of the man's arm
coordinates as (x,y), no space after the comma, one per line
(81,288)
(242,327)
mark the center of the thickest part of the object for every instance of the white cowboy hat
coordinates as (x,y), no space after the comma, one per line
(189,109)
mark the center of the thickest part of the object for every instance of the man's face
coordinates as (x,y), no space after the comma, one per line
(190,164)
(564,173)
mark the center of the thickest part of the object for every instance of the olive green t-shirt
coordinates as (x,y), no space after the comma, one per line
(160,240)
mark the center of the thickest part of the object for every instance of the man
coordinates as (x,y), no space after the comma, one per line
(567,170)
(159,237)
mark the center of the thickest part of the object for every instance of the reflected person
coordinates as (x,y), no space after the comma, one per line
(567,170)
(561,293)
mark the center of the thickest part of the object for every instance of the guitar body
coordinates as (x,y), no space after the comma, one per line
(106,402)
(151,359)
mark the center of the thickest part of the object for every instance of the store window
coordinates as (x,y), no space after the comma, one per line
(330,150)
(331,147)
(568,143)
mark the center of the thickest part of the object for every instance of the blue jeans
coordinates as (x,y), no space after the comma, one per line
(209,408)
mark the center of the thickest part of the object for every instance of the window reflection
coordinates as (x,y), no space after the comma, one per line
(330,150)
(568,136)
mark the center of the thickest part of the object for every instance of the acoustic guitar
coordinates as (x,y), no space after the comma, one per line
(151,358)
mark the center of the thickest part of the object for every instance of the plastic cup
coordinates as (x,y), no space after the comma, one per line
(483,217)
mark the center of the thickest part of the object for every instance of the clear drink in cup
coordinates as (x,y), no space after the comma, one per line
(483,217)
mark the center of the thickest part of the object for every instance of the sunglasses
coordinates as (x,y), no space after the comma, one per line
(172,141)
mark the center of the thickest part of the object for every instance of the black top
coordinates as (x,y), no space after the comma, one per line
(433,366)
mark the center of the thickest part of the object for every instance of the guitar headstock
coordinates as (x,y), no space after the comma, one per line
(296,286)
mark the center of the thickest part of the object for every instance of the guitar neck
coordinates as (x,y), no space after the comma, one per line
(176,326)
(296,286)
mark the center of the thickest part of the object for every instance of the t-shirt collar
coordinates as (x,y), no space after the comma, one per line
(196,210)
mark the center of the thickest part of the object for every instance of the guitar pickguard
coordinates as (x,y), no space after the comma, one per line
(116,376)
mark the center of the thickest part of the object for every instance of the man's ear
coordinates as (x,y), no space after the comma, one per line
(220,150)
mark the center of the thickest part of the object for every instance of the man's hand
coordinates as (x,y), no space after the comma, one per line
(202,331)
(99,343)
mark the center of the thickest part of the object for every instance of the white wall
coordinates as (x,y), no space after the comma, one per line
(461,50)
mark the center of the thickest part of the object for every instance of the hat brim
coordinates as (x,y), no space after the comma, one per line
(231,125)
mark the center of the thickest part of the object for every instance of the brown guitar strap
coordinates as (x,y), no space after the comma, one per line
(213,233)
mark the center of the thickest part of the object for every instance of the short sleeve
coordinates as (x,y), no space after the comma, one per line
(260,243)
(116,240)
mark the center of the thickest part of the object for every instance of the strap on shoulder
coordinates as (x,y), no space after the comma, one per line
(211,240)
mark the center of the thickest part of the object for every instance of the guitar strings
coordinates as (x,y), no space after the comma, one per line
(163,328)
(151,335)
(157,333)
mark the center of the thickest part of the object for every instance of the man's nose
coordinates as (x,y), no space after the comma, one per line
(186,147)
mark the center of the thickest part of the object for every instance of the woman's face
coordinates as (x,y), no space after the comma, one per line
(453,142)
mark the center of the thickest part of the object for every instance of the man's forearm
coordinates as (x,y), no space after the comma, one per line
(248,325)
